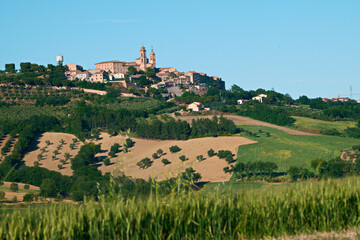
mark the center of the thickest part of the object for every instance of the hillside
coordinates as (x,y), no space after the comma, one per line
(211,169)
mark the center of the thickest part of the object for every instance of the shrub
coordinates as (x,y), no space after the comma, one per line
(165,161)
(14,187)
(106,161)
(224,154)
(211,152)
(60,166)
(144,163)
(29,197)
(14,199)
(155,156)
(112,154)
(159,152)
(200,158)
(174,149)
(2,194)
(27,186)
(1,183)
(129,143)
(115,148)
(183,158)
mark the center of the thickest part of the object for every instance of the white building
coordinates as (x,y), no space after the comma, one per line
(260,97)
(195,106)
(83,75)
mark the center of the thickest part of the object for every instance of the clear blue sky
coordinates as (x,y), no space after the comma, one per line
(300,47)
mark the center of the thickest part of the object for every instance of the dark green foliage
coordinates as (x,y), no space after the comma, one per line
(223,154)
(52,100)
(200,158)
(10,68)
(183,158)
(155,156)
(191,175)
(129,143)
(115,148)
(299,173)
(159,151)
(48,188)
(262,169)
(157,129)
(150,72)
(165,161)
(26,186)
(112,154)
(29,197)
(211,152)
(266,113)
(14,187)
(106,161)
(214,127)
(334,168)
(144,163)
(2,194)
(131,70)
(352,132)
(174,149)
(85,156)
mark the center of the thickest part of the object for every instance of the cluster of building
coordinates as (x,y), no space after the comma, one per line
(166,78)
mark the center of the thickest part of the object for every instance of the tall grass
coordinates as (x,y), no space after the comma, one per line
(304,208)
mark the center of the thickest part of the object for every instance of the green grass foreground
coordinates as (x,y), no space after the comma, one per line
(303,208)
(288,150)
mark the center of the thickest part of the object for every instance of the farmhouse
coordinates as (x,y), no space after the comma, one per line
(195,106)
(260,97)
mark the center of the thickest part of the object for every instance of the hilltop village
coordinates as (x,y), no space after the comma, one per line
(144,74)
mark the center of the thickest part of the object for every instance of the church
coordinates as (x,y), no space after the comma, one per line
(142,63)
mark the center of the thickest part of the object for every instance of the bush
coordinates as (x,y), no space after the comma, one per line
(155,156)
(2,194)
(183,158)
(200,158)
(26,186)
(29,197)
(129,143)
(165,161)
(211,152)
(112,154)
(144,163)
(224,154)
(174,149)
(159,152)
(14,187)
(106,161)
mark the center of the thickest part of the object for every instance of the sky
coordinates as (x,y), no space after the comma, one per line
(300,47)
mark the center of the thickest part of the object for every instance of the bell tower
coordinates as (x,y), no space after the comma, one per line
(143,58)
(152,59)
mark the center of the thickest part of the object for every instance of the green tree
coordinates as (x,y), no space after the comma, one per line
(10,68)
(14,187)
(211,152)
(131,70)
(48,188)
(165,161)
(150,72)
(106,161)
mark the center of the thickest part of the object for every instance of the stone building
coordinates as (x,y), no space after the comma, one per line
(142,63)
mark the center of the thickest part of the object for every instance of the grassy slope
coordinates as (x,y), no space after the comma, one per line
(315,124)
(289,150)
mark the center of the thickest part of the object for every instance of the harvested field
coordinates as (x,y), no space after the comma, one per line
(211,169)
(47,161)
(19,194)
(239,120)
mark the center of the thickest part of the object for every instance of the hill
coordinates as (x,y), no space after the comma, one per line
(211,169)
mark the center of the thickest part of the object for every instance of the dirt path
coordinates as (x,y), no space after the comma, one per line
(239,120)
